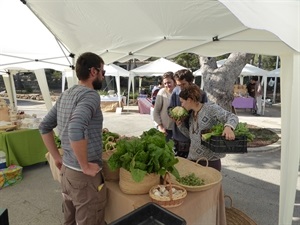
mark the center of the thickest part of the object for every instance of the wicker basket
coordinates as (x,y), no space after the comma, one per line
(171,200)
(108,174)
(210,175)
(237,217)
(129,186)
(8,127)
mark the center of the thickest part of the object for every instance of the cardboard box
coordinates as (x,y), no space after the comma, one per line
(54,170)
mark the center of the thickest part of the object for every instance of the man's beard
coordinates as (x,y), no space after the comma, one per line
(97,84)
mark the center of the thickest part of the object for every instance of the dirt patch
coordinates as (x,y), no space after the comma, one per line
(263,136)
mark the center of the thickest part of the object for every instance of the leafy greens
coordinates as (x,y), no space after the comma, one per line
(149,153)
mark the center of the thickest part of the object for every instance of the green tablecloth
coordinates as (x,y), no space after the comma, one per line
(23,147)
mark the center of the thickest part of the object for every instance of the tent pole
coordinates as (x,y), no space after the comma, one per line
(11,89)
(265,94)
(275,84)
(290,130)
(274,91)
(63,81)
(42,81)
(128,92)
(117,79)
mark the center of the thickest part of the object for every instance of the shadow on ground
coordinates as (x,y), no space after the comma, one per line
(256,192)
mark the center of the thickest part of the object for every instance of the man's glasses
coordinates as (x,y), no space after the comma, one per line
(103,71)
(99,69)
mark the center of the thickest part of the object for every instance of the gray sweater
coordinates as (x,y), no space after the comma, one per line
(211,114)
(160,113)
(77,115)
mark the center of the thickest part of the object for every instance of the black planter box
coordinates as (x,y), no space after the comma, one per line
(4,217)
(219,144)
(150,214)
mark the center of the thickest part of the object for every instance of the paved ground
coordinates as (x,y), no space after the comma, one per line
(251,180)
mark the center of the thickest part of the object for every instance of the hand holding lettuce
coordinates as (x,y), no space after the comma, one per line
(240,130)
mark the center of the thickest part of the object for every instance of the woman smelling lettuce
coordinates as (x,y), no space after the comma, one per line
(203,117)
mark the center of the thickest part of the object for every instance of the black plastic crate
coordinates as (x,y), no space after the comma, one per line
(219,144)
(150,214)
(4,217)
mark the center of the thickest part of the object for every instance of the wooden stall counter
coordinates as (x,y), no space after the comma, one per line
(204,207)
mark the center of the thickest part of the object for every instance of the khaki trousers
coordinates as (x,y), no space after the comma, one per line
(84,198)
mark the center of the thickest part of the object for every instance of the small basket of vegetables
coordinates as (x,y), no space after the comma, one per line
(194,177)
(167,194)
(214,140)
(109,140)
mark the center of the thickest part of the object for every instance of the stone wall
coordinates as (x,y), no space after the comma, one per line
(36,97)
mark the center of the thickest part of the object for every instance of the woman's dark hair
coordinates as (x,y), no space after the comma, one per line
(193,92)
(184,74)
(159,80)
(85,62)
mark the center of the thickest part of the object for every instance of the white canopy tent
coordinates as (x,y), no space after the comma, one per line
(117,72)
(209,28)
(271,74)
(154,68)
(248,70)
(274,73)
(24,49)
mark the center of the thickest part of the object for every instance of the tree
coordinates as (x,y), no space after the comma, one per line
(188,60)
(57,75)
(267,62)
(219,82)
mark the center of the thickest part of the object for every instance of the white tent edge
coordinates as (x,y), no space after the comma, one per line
(290,110)
(154,68)
(117,72)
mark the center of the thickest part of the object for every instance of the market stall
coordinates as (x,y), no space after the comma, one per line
(144,105)
(203,207)
(242,99)
(19,137)
(243,103)
(111,103)
(198,202)
(23,147)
